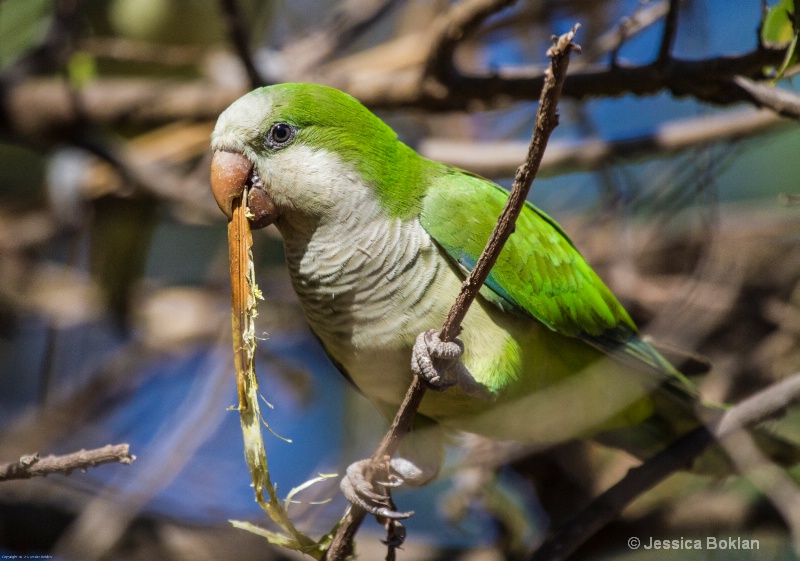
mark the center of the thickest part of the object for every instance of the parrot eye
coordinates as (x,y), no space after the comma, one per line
(279,135)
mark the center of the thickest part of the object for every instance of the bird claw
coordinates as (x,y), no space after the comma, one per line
(393,482)
(395,535)
(360,491)
(432,359)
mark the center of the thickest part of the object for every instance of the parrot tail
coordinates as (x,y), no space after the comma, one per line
(777,439)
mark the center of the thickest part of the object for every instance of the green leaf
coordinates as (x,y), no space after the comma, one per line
(781,28)
(81,69)
(315,550)
(23,25)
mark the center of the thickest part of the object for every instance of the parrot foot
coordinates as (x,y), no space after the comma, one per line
(374,495)
(433,359)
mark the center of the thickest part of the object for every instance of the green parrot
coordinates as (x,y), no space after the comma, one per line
(378,241)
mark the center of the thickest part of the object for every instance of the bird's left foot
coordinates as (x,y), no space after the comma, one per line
(435,361)
(372,491)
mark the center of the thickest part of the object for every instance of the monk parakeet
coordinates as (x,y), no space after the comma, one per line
(378,241)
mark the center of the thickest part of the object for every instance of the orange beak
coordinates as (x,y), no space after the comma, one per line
(230,174)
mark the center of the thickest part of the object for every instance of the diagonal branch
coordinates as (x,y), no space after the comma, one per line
(500,158)
(609,505)
(237,32)
(612,41)
(451,28)
(32,465)
(705,79)
(347,23)
(546,122)
(41,109)
(670,31)
(783,102)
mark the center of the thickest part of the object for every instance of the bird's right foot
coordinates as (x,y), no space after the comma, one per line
(434,360)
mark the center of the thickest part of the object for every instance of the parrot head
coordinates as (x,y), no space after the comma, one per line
(304,150)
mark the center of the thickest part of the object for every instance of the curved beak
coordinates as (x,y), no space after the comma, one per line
(231,172)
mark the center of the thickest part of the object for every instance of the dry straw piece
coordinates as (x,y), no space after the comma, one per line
(244,296)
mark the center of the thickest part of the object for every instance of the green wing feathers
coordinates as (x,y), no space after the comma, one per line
(539,273)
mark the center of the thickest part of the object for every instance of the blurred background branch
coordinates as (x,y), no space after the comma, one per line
(609,505)
(33,465)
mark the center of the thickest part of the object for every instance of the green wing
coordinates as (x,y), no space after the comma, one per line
(539,273)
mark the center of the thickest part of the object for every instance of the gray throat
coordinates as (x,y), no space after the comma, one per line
(363,280)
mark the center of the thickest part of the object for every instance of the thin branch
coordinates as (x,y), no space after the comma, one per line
(546,121)
(609,505)
(191,421)
(670,31)
(42,109)
(237,31)
(133,50)
(783,102)
(706,80)
(767,403)
(350,20)
(34,466)
(680,454)
(451,29)
(770,479)
(611,41)
(500,158)
(113,102)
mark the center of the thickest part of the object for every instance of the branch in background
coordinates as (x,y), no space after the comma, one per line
(783,102)
(670,31)
(51,55)
(611,41)
(34,466)
(706,80)
(451,28)
(764,405)
(546,122)
(191,421)
(132,50)
(237,32)
(42,109)
(500,158)
(152,165)
(770,479)
(350,20)
(442,87)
